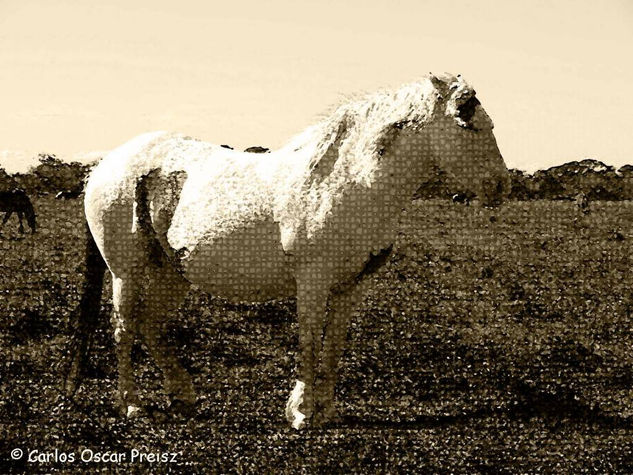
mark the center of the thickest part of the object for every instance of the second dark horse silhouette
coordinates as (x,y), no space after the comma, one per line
(17,201)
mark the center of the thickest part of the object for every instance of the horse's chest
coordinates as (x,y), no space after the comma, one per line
(355,230)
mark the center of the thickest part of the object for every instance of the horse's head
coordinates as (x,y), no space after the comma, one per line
(463,143)
(406,135)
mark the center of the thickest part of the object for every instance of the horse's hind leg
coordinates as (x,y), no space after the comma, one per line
(124,300)
(7,215)
(164,294)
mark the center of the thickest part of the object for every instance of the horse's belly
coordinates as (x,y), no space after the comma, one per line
(246,264)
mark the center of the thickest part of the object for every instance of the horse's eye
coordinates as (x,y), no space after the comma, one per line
(466,111)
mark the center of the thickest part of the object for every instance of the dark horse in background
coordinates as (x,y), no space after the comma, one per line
(17,201)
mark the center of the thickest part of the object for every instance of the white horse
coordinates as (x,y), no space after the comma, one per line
(308,220)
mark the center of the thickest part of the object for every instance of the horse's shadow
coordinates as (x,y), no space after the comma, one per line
(597,418)
(534,405)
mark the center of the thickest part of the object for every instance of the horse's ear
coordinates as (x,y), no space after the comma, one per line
(445,83)
(439,85)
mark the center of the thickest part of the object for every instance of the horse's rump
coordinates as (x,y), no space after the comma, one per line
(15,200)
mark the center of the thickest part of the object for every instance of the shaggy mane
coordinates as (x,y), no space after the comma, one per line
(358,127)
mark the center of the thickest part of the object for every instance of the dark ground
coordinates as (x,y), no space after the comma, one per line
(493,341)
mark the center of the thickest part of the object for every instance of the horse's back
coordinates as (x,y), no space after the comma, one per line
(224,229)
(15,200)
(211,209)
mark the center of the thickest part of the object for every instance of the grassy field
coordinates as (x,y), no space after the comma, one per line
(493,341)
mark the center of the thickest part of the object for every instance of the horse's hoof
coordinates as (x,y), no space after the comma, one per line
(129,409)
(298,420)
(326,419)
(132,411)
(181,408)
(293,413)
(157,414)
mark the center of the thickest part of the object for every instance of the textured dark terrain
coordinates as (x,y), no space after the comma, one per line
(493,341)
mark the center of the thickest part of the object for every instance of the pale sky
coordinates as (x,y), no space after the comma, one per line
(79,76)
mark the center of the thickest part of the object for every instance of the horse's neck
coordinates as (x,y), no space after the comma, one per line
(289,167)
(409,162)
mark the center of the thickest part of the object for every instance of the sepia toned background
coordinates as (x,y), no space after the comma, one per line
(492,341)
(79,78)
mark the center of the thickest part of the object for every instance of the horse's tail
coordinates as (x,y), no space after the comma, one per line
(157,253)
(85,317)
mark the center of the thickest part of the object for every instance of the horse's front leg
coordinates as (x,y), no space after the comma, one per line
(340,309)
(312,295)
